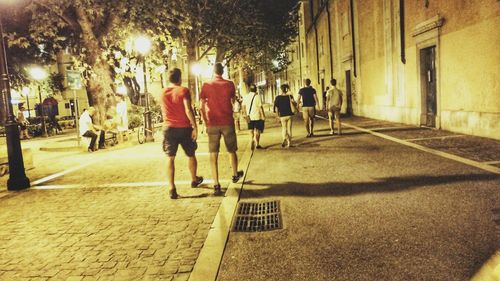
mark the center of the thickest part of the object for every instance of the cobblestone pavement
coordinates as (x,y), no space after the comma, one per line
(109,220)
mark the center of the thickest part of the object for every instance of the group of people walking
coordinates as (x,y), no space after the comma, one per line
(220,109)
(286,107)
(216,110)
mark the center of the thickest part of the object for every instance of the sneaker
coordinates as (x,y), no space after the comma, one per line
(217,190)
(308,135)
(173,194)
(331,133)
(198,181)
(90,150)
(259,147)
(236,178)
(283,143)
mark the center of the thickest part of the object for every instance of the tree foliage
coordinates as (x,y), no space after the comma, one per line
(96,32)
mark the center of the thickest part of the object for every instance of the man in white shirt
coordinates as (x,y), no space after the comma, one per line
(89,130)
(333,106)
(252,106)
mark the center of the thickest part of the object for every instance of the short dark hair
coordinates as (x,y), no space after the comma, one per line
(218,68)
(174,75)
(334,82)
(285,87)
(253,88)
(308,82)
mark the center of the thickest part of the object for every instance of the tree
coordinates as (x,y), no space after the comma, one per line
(90,29)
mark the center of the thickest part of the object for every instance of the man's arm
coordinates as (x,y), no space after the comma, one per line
(190,115)
(316,100)
(203,103)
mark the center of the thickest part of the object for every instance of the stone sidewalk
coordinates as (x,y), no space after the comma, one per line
(107,216)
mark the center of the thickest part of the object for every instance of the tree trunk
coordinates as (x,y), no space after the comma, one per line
(219,54)
(191,58)
(100,82)
(100,90)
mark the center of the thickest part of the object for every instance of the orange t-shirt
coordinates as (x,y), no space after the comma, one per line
(218,94)
(172,106)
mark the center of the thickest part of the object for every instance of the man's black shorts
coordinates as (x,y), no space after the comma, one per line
(256,124)
(175,136)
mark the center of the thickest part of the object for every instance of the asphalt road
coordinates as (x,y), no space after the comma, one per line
(358,207)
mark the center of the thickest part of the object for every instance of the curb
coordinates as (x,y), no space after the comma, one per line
(210,257)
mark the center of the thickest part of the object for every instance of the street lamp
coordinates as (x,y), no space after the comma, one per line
(39,74)
(142,45)
(17,176)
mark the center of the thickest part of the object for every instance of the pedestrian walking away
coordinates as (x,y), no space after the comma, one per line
(333,106)
(216,99)
(237,112)
(89,130)
(180,129)
(23,122)
(285,106)
(308,100)
(252,106)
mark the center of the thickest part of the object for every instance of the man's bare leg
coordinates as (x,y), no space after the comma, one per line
(311,122)
(234,162)
(214,165)
(171,176)
(193,166)
(257,137)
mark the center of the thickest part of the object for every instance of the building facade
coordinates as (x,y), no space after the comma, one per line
(421,62)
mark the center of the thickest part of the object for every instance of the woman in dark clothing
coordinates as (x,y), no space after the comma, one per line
(286,106)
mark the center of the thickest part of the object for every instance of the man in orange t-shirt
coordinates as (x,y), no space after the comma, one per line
(217,97)
(180,128)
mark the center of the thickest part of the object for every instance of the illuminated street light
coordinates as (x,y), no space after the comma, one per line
(142,45)
(196,69)
(17,175)
(39,74)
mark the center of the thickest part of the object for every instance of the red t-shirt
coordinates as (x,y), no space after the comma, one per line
(218,94)
(172,106)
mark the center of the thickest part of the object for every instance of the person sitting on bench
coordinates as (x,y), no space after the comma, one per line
(89,130)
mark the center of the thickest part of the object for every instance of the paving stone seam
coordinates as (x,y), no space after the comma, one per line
(210,257)
(466,161)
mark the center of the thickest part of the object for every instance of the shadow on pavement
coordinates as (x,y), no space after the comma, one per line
(389,184)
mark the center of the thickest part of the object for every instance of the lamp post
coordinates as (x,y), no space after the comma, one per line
(39,74)
(143,45)
(26,93)
(196,70)
(17,176)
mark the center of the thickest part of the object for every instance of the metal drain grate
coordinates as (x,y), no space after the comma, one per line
(252,217)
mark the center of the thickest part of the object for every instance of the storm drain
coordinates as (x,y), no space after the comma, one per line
(262,216)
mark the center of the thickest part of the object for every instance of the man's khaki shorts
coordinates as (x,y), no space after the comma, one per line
(308,112)
(229,134)
(334,112)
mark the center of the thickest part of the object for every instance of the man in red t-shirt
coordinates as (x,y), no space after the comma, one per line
(217,97)
(180,128)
